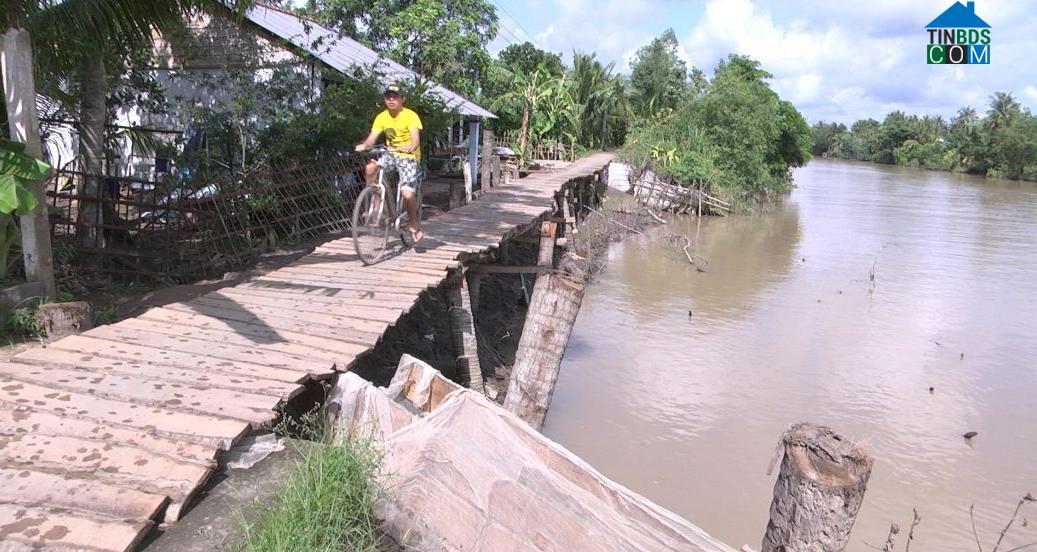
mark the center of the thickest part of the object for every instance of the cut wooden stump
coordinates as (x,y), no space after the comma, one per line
(553,307)
(60,319)
(818,493)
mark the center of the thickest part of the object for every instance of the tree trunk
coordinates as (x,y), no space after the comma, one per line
(92,76)
(24,126)
(552,311)
(524,134)
(818,492)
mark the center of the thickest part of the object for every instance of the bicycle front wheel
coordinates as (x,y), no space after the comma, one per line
(371,225)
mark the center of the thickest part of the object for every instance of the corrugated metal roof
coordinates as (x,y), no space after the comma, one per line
(344,54)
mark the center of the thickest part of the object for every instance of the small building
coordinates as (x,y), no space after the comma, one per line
(218,43)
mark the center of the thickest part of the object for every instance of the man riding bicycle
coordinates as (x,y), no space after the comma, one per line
(402,129)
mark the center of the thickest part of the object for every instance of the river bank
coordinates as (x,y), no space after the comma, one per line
(787,325)
(923,166)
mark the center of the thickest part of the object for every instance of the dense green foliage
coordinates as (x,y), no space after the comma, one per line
(735,136)
(278,122)
(443,41)
(1003,143)
(658,76)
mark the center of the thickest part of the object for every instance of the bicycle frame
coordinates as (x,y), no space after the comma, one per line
(395,209)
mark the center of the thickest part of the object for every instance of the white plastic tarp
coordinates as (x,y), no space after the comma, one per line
(464,474)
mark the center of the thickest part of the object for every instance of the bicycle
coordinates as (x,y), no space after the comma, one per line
(375,219)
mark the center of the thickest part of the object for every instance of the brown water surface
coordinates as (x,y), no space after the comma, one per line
(787,326)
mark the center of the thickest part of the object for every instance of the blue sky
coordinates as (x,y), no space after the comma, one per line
(834,60)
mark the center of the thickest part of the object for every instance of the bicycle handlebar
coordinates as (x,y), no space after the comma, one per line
(379,149)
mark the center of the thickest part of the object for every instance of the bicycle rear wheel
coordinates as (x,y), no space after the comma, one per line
(371,225)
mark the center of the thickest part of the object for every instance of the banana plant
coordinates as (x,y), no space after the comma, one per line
(16,168)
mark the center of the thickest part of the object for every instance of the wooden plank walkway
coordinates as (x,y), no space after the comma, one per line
(106,433)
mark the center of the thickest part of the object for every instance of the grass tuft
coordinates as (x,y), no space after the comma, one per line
(326,504)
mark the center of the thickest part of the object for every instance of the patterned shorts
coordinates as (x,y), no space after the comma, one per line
(405,167)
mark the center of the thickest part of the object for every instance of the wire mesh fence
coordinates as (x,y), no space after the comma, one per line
(179,230)
(543,149)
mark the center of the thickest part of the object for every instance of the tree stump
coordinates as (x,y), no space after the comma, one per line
(818,493)
(553,307)
(60,319)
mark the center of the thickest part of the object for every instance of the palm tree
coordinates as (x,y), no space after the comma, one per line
(1004,110)
(966,116)
(602,95)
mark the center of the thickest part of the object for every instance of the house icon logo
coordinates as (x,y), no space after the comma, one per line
(958,36)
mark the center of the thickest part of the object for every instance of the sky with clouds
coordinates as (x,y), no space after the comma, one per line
(836,61)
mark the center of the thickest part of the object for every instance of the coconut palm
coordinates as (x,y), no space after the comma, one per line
(966,117)
(1004,110)
(603,98)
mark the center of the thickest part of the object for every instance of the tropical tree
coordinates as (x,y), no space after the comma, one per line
(1004,110)
(526,57)
(530,92)
(602,98)
(443,41)
(658,75)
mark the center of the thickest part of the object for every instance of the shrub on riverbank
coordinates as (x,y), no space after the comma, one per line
(325,505)
(1004,143)
(737,136)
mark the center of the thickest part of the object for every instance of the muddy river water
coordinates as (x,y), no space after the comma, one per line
(787,325)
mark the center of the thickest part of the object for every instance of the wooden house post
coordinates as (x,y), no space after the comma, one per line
(473,157)
(20,100)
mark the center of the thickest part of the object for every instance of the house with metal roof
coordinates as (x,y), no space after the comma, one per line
(217,43)
(344,54)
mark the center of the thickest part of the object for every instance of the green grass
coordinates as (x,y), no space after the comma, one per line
(325,505)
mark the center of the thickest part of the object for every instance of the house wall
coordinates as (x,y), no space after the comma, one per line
(203,68)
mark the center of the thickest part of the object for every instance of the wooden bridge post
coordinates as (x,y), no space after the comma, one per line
(484,160)
(818,493)
(462,326)
(545,256)
(474,282)
(553,307)
(495,172)
(473,158)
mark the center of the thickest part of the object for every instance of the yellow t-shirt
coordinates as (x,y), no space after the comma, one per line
(397,129)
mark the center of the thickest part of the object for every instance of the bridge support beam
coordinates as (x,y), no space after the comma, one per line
(462,326)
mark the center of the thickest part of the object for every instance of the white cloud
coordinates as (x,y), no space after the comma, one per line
(546,33)
(845,62)
(834,60)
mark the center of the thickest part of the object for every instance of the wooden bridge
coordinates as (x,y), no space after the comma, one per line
(105,433)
